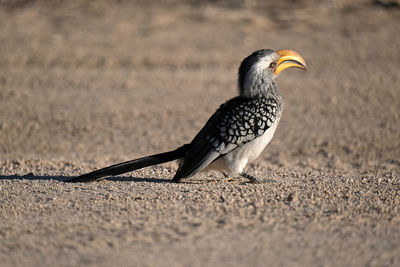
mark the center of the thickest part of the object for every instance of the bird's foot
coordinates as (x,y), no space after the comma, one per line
(256,180)
(228,177)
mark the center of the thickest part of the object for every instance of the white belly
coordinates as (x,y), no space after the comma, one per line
(235,161)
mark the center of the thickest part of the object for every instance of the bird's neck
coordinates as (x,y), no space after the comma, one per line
(261,88)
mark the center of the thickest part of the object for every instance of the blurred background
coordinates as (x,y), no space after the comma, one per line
(103,81)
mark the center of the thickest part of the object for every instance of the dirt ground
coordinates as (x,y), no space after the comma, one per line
(87,84)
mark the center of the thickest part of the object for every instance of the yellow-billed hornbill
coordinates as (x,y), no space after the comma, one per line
(236,133)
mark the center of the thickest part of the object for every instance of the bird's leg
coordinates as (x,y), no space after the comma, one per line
(255,180)
(251,178)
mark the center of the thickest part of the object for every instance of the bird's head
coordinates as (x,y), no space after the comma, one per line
(257,71)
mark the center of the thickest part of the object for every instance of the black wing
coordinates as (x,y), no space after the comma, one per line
(238,121)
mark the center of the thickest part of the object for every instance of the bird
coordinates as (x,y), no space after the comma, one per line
(236,133)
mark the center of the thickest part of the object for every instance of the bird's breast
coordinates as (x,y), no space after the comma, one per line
(237,160)
(254,148)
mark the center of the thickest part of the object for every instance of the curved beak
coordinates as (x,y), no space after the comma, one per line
(289,59)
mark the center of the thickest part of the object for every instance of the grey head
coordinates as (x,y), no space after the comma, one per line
(256,73)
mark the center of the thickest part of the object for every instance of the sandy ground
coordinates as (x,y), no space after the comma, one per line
(85,85)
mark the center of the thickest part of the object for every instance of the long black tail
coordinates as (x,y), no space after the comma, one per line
(131,165)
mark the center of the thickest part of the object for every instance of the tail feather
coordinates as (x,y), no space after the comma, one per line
(131,165)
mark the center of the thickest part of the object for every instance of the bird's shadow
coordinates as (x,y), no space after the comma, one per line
(65,179)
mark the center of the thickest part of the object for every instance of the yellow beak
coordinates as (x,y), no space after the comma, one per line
(289,59)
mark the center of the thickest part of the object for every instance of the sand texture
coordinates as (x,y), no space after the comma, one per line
(86,84)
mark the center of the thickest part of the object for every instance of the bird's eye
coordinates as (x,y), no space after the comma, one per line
(272,65)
